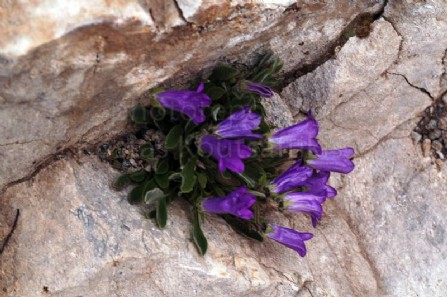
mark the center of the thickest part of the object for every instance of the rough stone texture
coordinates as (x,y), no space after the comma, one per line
(384,234)
(77,237)
(68,77)
(278,114)
(395,200)
(423,28)
(357,65)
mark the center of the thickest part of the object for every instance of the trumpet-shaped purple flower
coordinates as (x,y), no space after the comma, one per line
(228,153)
(190,103)
(317,183)
(240,124)
(289,237)
(257,88)
(293,177)
(300,136)
(307,202)
(236,203)
(334,160)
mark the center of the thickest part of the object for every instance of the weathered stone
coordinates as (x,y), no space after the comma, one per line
(423,28)
(92,242)
(416,136)
(278,113)
(435,134)
(358,64)
(437,146)
(372,114)
(374,105)
(426,145)
(395,201)
(68,77)
(383,235)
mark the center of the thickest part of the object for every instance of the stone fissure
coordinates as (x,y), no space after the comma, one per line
(180,12)
(423,90)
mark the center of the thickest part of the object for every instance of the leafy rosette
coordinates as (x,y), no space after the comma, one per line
(219,154)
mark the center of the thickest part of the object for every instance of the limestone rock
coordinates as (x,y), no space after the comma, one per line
(68,76)
(67,80)
(395,201)
(357,65)
(277,111)
(423,28)
(77,237)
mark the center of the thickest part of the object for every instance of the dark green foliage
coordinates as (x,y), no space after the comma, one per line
(179,168)
(197,234)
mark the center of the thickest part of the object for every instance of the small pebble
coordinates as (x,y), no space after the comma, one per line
(133,162)
(416,136)
(442,124)
(444,99)
(432,124)
(440,164)
(435,134)
(426,145)
(440,155)
(437,145)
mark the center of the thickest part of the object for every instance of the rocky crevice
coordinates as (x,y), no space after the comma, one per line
(412,85)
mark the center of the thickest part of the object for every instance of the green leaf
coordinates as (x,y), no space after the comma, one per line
(202,179)
(137,194)
(215,92)
(162,180)
(153,196)
(188,176)
(138,114)
(150,214)
(175,175)
(138,176)
(223,72)
(256,193)
(121,181)
(197,234)
(147,153)
(162,167)
(216,111)
(248,180)
(245,227)
(162,213)
(174,136)
(185,156)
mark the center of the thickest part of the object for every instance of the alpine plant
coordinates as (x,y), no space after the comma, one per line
(221,156)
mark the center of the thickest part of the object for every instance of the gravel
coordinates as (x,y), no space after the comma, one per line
(431,131)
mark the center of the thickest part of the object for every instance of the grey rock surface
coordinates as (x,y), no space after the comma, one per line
(78,237)
(68,78)
(383,235)
(357,65)
(395,200)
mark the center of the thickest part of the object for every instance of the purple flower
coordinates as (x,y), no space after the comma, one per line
(228,153)
(240,124)
(333,160)
(317,183)
(293,177)
(190,103)
(289,237)
(257,88)
(236,203)
(300,136)
(307,202)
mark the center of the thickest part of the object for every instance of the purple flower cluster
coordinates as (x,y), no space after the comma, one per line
(301,188)
(230,149)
